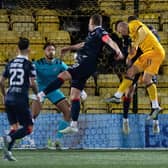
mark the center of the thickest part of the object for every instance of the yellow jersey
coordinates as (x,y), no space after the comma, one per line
(150,42)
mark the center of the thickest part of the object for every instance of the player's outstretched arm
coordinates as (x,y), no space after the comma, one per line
(106,39)
(72,47)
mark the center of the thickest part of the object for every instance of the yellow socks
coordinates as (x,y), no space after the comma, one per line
(123,86)
(152,91)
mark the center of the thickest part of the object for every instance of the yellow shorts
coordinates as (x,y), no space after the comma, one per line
(150,61)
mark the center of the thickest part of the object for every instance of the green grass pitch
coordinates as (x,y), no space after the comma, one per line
(87,159)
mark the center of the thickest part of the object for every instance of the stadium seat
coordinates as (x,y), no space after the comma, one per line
(162,81)
(162,91)
(36,51)
(8,47)
(22,23)
(4,22)
(114,18)
(116,108)
(163,37)
(8,37)
(144,104)
(35,37)
(164,104)
(106,92)
(59,37)
(163,5)
(108,80)
(47,20)
(165,69)
(151,19)
(94,104)
(68,58)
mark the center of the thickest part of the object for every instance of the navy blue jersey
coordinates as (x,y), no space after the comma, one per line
(93,45)
(18,71)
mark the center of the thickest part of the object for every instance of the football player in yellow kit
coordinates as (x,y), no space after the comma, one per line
(149,62)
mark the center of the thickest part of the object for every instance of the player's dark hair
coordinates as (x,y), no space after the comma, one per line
(131,18)
(97,19)
(116,24)
(49,44)
(23,43)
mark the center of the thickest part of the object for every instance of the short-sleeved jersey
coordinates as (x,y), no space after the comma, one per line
(48,71)
(150,42)
(19,71)
(93,45)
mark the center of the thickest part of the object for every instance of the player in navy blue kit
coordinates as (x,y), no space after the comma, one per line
(21,75)
(87,55)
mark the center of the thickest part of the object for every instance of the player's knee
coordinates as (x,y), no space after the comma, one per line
(65,75)
(146,81)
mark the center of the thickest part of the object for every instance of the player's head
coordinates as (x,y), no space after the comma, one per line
(131,18)
(95,20)
(122,28)
(49,50)
(116,24)
(23,45)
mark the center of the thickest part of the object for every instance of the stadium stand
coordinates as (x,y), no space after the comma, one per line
(22,23)
(93,104)
(47,21)
(4,22)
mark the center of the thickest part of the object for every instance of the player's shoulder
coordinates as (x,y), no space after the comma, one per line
(40,61)
(57,61)
(101,30)
(135,23)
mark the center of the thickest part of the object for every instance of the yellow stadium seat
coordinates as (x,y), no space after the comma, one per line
(59,37)
(46,12)
(114,18)
(36,51)
(164,104)
(162,81)
(4,22)
(21,27)
(7,51)
(165,69)
(94,104)
(162,91)
(3,11)
(21,23)
(108,80)
(106,92)
(35,37)
(144,104)
(150,19)
(47,22)
(116,108)
(68,58)
(4,26)
(48,27)
(7,37)
(163,37)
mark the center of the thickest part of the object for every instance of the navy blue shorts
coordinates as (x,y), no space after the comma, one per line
(79,84)
(80,72)
(19,112)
